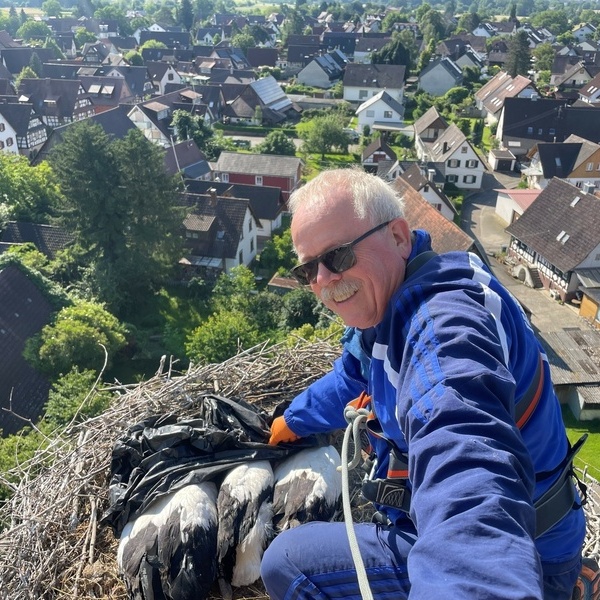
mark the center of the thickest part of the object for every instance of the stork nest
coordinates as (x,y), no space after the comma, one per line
(51,544)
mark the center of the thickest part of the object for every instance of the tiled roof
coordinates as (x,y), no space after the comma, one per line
(445,235)
(48,239)
(258,164)
(429,118)
(562,225)
(23,312)
(374,76)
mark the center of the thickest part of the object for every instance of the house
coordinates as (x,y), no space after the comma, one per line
(16,58)
(382,112)
(162,74)
(456,158)
(171,39)
(208,36)
(220,234)
(420,179)
(526,121)
(340,40)
(365,46)
(21,130)
(24,310)
(323,71)
(512,203)
(48,239)
(439,76)
(420,214)
(107,92)
(266,203)
(362,82)
(501,159)
(300,56)
(186,158)
(574,78)
(568,241)
(576,160)
(137,78)
(283,172)
(428,128)
(262,57)
(583,31)
(590,93)
(491,97)
(56,101)
(376,152)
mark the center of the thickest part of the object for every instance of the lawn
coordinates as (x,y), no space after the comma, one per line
(590,453)
(314,165)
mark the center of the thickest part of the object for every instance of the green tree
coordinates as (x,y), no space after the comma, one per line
(153,44)
(519,57)
(393,53)
(51,43)
(293,24)
(114,13)
(468,21)
(134,58)
(26,73)
(300,306)
(30,256)
(35,64)
(74,398)
(232,290)
(79,336)
(186,14)
(83,36)
(119,203)
(52,8)
(556,20)
(221,336)
(544,56)
(243,40)
(324,134)
(30,193)
(277,142)
(34,30)
(278,253)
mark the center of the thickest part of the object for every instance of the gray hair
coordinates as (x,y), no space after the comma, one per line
(372,198)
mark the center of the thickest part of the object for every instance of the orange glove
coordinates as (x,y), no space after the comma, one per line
(280,432)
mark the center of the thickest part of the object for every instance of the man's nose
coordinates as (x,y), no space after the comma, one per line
(325,276)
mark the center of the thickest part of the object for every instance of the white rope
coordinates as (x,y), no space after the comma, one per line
(356,421)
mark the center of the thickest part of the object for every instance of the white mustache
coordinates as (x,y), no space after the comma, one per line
(340,291)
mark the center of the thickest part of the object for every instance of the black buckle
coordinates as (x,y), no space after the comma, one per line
(387,492)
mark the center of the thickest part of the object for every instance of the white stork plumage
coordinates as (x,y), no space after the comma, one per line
(169,551)
(244,506)
(308,487)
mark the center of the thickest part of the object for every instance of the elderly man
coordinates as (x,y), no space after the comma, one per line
(466,427)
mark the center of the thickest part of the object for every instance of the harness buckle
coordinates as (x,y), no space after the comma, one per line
(388,492)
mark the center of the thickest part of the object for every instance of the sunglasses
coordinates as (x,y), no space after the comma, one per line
(337,260)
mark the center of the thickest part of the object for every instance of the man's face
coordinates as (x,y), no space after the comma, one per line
(361,294)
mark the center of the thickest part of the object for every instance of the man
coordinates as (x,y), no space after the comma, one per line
(467,426)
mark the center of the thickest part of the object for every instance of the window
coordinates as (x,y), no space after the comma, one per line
(453,163)
(451,178)
(530,130)
(170,76)
(1,144)
(363,93)
(2,126)
(589,167)
(370,113)
(469,179)
(258,180)
(225,177)
(464,149)
(250,225)
(241,257)
(552,131)
(387,114)
(472,164)
(252,245)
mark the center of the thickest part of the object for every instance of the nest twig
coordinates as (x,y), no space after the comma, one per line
(51,546)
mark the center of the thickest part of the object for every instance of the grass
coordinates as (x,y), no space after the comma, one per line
(314,164)
(590,453)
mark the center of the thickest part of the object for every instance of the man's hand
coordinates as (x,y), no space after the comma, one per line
(280,432)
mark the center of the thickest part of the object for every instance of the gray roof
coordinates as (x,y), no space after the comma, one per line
(431,117)
(374,76)
(446,144)
(258,164)
(48,239)
(562,225)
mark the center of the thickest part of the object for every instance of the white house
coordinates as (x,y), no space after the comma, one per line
(8,136)
(454,156)
(362,82)
(439,76)
(381,113)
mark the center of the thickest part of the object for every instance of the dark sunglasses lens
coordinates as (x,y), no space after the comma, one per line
(305,273)
(339,259)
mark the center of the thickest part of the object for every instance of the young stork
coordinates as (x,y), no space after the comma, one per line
(168,552)
(245,523)
(308,487)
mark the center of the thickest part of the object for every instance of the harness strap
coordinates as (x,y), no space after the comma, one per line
(526,405)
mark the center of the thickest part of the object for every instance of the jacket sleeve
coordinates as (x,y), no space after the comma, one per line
(471,474)
(320,408)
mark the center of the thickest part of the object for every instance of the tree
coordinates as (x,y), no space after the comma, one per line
(134,58)
(277,142)
(299,307)
(519,58)
(232,290)
(52,8)
(83,36)
(243,40)
(34,30)
(119,203)
(325,133)
(544,57)
(186,15)
(30,193)
(79,337)
(153,44)
(114,13)
(293,24)
(556,20)
(26,73)
(51,43)
(35,64)
(278,253)
(468,21)
(393,53)
(221,336)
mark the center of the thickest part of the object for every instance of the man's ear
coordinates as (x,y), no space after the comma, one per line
(402,235)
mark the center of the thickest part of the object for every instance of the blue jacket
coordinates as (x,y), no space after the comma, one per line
(445,368)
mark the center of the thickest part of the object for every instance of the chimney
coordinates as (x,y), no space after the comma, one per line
(445,148)
(213,197)
(430,174)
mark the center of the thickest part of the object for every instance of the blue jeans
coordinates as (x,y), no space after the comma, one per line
(313,561)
